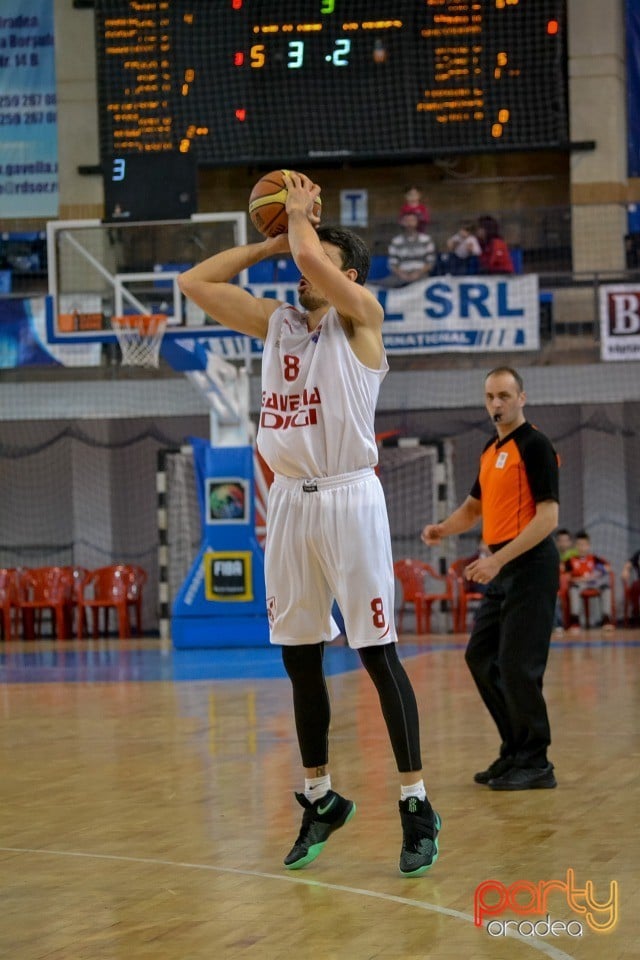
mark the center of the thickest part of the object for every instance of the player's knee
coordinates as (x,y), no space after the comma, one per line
(302,661)
(380,661)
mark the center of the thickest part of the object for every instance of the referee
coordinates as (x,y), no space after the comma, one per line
(516,497)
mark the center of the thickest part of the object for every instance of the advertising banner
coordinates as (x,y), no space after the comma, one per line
(450,314)
(620,321)
(633,86)
(28,119)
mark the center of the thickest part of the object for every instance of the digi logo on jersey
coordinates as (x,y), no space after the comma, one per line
(281,411)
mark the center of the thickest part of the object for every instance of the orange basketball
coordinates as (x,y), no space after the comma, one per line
(267,204)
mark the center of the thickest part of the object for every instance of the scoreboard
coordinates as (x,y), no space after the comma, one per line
(273,82)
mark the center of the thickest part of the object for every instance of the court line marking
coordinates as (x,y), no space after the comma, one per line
(532,942)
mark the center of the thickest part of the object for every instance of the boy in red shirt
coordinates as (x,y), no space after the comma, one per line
(588,572)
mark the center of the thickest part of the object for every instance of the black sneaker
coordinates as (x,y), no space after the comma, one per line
(319,820)
(496,769)
(526,778)
(420,826)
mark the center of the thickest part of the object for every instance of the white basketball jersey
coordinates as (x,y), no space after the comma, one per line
(318,400)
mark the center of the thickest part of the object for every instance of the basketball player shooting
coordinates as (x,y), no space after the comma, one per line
(327,525)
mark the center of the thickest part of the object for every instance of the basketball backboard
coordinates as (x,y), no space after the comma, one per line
(99,271)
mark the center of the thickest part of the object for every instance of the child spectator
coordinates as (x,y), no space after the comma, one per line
(464,248)
(588,572)
(631,579)
(413,203)
(495,256)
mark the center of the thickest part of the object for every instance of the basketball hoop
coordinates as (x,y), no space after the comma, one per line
(140,336)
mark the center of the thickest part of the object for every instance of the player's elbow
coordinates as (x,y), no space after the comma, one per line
(184,282)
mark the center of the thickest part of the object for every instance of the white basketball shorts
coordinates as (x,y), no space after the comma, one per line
(326,539)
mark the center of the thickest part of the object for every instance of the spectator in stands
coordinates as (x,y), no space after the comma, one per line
(566,546)
(495,256)
(566,549)
(588,572)
(413,203)
(631,579)
(412,254)
(463,250)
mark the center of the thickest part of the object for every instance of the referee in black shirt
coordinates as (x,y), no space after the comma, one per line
(516,497)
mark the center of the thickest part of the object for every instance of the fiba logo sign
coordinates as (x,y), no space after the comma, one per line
(620,322)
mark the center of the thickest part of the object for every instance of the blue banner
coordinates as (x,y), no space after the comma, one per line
(20,344)
(633,87)
(450,314)
(23,337)
(28,118)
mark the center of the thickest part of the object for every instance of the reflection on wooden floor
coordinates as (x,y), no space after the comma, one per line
(145,814)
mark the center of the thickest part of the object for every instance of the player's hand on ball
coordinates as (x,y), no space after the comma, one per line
(302,196)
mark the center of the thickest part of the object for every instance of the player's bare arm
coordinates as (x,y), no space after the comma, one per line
(208,285)
(359,310)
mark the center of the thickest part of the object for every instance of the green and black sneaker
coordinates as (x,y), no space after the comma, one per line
(420,827)
(319,821)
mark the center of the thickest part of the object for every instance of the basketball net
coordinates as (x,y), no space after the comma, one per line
(140,336)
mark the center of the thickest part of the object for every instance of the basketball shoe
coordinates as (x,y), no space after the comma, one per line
(420,827)
(319,821)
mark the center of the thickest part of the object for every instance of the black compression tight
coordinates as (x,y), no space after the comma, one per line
(398,702)
(313,713)
(311,706)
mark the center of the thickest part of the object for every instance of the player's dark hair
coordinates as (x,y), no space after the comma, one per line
(582,535)
(514,373)
(353,249)
(563,532)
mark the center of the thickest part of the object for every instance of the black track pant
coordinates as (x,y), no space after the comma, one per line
(312,711)
(508,650)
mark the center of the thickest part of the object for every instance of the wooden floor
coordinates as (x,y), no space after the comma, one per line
(145,813)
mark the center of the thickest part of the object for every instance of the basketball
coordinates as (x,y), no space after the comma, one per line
(267,204)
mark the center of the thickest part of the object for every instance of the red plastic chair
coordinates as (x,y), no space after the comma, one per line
(44,589)
(104,589)
(445,595)
(465,594)
(415,577)
(631,602)
(9,602)
(78,576)
(137,580)
(410,575)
